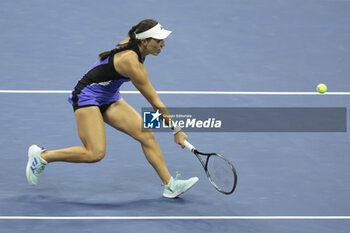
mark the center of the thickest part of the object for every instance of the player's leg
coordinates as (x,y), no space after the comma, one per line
(92,133)
(91,130)
(125,118)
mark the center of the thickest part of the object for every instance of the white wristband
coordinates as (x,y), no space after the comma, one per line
(175,129)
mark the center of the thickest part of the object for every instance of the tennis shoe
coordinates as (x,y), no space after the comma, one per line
(177,187)
(35,164)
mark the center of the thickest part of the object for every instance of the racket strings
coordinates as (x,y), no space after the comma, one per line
(221,173)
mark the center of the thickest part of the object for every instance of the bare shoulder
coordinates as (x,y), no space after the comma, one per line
(126,61)
(126,40)
(127,56)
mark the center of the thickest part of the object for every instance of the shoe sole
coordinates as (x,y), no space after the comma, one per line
(28,170)
(178,194)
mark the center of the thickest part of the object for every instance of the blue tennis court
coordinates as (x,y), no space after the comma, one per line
(287,182)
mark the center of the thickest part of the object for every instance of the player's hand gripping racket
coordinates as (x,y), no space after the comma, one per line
(220,171)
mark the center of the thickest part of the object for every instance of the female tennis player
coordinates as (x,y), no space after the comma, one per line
(96,99)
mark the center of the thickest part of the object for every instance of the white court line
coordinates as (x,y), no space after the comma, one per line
(181,92)
(175,218)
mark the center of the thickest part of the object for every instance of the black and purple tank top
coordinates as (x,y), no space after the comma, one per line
(100,85)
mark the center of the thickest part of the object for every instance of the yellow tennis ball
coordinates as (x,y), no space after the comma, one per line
(321,88)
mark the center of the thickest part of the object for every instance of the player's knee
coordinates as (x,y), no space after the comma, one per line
(96,155)
(146,137)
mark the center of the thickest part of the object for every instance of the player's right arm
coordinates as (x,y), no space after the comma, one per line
(128,65)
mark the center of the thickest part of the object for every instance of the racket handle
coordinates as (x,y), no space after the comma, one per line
(189,146)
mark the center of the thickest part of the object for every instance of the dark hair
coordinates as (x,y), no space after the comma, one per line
(143,26)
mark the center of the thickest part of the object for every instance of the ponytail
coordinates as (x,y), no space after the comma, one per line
(133,42)
(106,54)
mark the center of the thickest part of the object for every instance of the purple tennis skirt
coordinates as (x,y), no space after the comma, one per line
(97,94)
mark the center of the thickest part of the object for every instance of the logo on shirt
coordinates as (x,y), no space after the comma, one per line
(151,120)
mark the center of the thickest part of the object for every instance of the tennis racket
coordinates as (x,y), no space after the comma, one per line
(220,171)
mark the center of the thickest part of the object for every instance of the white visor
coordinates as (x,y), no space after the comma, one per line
(157,32)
